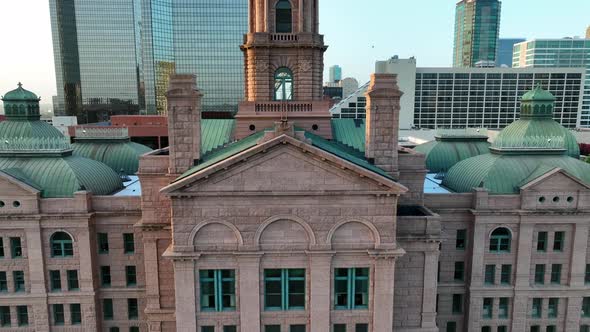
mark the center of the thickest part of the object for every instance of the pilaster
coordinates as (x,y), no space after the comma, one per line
(184,282)
(249,284)
(87,273)
(320,264)
(523,255)
(383,294)
(579,249)
(430,288)
(37,275)
(573,314)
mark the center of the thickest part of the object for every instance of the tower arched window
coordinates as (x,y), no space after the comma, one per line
(500,240)
(283,84)
(62,245)
(284,18)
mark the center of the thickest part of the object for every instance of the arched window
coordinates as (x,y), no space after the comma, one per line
(283,84)
(61,245)
(500,240)
(283,22)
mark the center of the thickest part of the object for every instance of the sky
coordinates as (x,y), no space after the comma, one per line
(357,32)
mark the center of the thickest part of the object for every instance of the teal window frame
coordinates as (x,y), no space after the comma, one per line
(461,239)
(230,328)
(73,282)
(503,305)
(353,278)
(16,248)
(55,280)
(62,245)
(486,329)
(488,308)
(208,328)
(556,274)
(286,279)
(500,240)
(540,274)
(103,243)
(107,309)
(113,329)
(5,316)
(459,273)
(19,281)
(133,328)
(217,290)
(283,17)
(361,327)
(272,328)
(58,314)
(339,328)
(105,276)
(75,314)
(131,275)
(490,274)
(551,328)
(559,241)
(457,307)
(132,309)
(535,328)
(22,315)
(3,282)
(586,307)
(298,328)
(128,243)
(502,328)
(542,241)
(1,247)
(283,84)
(451,327)
(537,308)
(553,308)
(506,274)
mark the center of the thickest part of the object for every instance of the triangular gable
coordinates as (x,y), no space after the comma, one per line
(551,178)
(386,183)
(13,182)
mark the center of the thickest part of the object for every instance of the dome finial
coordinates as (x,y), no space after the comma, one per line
(20,85)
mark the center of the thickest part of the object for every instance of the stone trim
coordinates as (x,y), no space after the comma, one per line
(303,223)
(198,227)
(376,235)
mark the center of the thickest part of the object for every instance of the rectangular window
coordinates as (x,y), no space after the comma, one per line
(553,308)
(488,304)
(114,329)
(1,248)
(558,241)
(459,271)
(339,328)
(75,313)
(585,328)
(55,280)
(130,275)
(103,243)
(550,328)
(542,241)
(230,328)
(218,290)
(22,315)
(73,284)
(539,274)
(107,309)
(284,289)
(58,314)
(105,276)
(586,307)
(297,328)
(555,273)
(490,274)
(207,328)
(451,327)
(136,329)
(457,303)
(3,282)
(461,241)
(128,243)
(4,316)
(587,274)
(486,329)
(361,328)
(535,328)
(272,328)
(537,308)
(132,309)
(506,274)
(351,288)
(15,247)
(19,281)
(502,328)
(503,307)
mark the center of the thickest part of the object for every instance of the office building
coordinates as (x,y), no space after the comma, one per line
(588,32)
(548,53)
(473,97)
(505,50)
(335,74)
(477,26)
(349,85)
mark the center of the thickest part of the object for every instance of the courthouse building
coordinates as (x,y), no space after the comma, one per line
(289,220)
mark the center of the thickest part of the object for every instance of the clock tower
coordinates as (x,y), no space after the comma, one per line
(284,65)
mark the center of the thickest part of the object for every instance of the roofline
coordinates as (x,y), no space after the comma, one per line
(551,172)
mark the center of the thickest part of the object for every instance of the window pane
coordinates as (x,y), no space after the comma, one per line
(272,328)
(361,328)
(3,282)
(19,281)
(4,316)
(461,239)
(297,328)
(23,315)
(207,328)
(132,309)
(506,274)
(58,314)
(459,270)
(542,241)
(75,314)
(107,309)
(15,246)
(339,328)
(229,328)
(539,274)
(73,280)
(451,327)
(558,241)
(490,274)
(128,243)
(55,280)
(105,276)
(130,275)
(457,303)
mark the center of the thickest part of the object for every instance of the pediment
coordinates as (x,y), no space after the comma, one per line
(556,180)
(283,165)
(12,186)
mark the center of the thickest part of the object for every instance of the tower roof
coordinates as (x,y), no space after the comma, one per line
(20,94)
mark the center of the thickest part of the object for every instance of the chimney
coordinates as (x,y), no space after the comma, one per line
(382,122)
(184,123)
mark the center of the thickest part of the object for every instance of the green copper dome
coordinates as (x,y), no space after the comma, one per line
(448,149)
(528,148)
(20,94)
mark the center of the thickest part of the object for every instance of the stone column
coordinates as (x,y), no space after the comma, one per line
(320,275)
(578,263)
(479,249)
(260,12)
(573,314)
(430,287)
(522,279)
(249,287)
(87,272)
(37,280)
(383,292)
(184,283)
(301,17)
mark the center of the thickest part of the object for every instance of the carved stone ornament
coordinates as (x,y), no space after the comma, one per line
(304,65)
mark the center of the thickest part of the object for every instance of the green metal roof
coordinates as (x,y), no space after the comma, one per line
(215,133)
(20,94)
(121,156)
(63,176)
(18,129)
(442,154)
(349,132)
(538,94)
(505,173)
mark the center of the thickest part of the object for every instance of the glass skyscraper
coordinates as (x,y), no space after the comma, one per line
(504,53)
(477,26)
(115,56)
(566,52)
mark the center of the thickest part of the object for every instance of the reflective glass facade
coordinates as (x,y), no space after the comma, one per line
(477,26)
(558,53)
(504,53)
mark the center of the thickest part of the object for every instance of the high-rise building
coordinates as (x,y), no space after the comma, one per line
(505,49)
(567,52)
(335,74)
(477,26)
(588,32)
(114,57)
(97,54)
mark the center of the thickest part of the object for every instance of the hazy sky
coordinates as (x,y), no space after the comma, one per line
(357,32)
